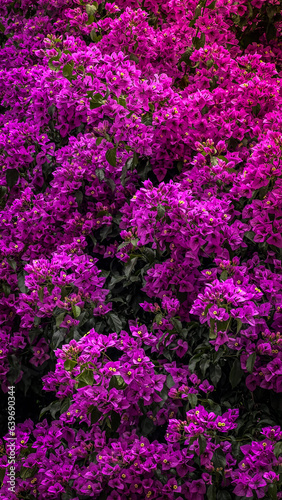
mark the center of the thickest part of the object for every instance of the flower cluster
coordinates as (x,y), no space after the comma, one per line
(87,463)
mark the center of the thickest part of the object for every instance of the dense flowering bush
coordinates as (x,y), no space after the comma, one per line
(141,247)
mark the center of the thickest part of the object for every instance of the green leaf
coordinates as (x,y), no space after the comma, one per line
(96,101)
(211,5)
(239,325)
(129,268)
(223,495)
(186,57)
(177,325)
(91,8)
(256,109)
(2,474)
(3,191)
(115,322)
(68,69)
(69,364)
(192,398)
(278,449)
(251,10)
(52,66)
(123,245)
(272,491)
(123,174)
(57,338)
(41,294)
(95,104)
(197,13)
(215,374)
(211,492)
(60,319)
(78,197)
(236,373)
(2,28)
(94,37)
(65,405)
(271,32)
(214,407)
(6,289)
(158,319)
(122,102)
(50,287)
(27,472)
(115,279)
(204,364)
(194,361)
(111,156)
(219,459)
(169,381)
(221,157)
(224,276)
(212,334)
(108,422)
(199,42)
(147,426)
(37,320)
(117,382)
(76,311)
(115,420)
(12,263)
(250,235)
(12,176)
(134,58)
(33,333)
(90,20)
(202,443)
(271,11)
(53,408)
(86,377)
(250,362)
(222,325)
(105,231)
(97,97)
(98,141)
(111,184)
(100,174)
(132,162)
(95,415)
(207,309)
(161,211)
(149,254)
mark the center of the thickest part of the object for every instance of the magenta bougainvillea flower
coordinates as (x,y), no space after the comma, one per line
(140,243)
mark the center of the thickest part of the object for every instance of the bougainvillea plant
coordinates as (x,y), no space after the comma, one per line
(141,249)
